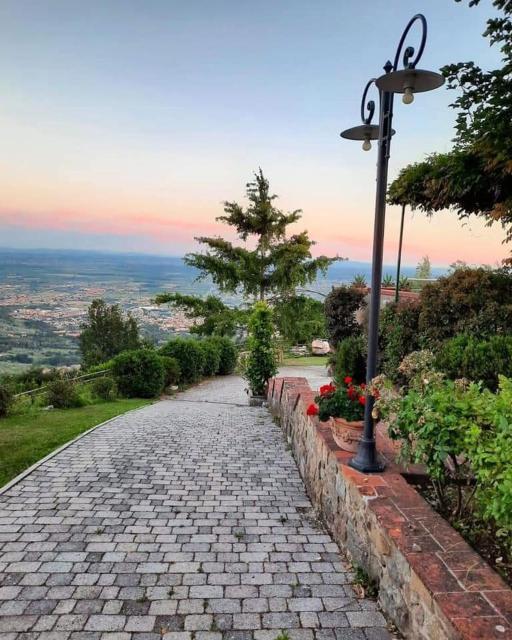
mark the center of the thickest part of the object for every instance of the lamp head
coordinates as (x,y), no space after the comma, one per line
(409,82)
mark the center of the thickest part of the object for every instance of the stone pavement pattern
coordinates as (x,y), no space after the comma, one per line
(184,520)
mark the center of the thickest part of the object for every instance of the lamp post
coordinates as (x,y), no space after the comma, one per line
(407,81)
(399,259)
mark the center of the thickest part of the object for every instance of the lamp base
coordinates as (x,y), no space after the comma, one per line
(366,460)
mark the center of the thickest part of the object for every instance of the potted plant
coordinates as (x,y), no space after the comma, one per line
(344,406)
(359,281)
(388,282)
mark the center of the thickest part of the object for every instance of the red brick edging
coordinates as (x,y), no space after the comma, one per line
(433,585)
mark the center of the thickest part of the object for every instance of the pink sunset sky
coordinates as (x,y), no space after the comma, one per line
(124,126)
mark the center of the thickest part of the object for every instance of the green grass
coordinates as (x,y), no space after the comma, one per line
(28,437)
(305,361)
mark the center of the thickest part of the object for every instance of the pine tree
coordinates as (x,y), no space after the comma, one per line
(276,265)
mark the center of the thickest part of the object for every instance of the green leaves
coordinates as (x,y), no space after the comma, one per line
(276,265)
(261,363)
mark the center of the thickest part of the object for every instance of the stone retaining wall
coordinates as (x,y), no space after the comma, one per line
(432,584)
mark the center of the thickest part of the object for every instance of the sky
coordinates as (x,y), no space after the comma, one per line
(125,124)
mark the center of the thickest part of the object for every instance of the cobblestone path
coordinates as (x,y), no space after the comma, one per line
(185,520)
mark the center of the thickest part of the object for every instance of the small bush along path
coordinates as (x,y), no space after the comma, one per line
(26,438)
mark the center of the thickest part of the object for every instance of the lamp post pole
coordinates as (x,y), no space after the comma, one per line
(366,458)
(407,81)
(399,260)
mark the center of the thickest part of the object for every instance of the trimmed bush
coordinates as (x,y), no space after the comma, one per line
(340,308)
(261,361)
(6,400)
(399,335)
(228,355)
(211,356)
(479,360)
(104,388)
(189,354)
(139,373)
(470,301)
(172,371)
(63,394)
(350,360)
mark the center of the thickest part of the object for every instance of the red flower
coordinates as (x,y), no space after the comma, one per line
(348,380)
(352,393)
(327,388)
(312,410)
(363,386)
(362,400)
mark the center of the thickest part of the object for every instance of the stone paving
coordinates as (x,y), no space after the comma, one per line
(184,520)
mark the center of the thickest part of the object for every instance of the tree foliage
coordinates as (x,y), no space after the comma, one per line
(261,362)
(476,176)
(300,319)
(424,268)
(340,307)
(212,315)
(107,332)
(276,265)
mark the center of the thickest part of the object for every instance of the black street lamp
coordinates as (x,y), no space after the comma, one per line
(406,81)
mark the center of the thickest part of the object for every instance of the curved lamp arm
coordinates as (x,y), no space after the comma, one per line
(409,51)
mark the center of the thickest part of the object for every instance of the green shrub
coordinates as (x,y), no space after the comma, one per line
(62,393)
(340,308)
(139,373)
(489,449)
(476,359)
(172,371)
(228,355)
(261,360)
(103,366)
(104,388)
(399,335)
(6,400)
(189,355)
(471,301)
(460,432)
(300,319)
(211,357)
(350,359)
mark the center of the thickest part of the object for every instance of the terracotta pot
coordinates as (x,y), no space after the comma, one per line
(347,434)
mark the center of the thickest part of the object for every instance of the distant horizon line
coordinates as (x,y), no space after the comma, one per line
(109,252)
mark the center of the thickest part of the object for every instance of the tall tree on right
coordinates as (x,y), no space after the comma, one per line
(475,178)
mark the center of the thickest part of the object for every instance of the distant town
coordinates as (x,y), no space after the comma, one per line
(44,296)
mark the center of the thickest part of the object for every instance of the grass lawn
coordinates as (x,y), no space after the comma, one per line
(306,361)
(26,438)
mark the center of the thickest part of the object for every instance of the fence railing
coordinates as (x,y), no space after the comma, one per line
(87,377)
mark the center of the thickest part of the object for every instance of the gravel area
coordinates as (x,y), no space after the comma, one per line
(184,520)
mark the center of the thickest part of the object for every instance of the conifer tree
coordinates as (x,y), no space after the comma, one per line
(269,264)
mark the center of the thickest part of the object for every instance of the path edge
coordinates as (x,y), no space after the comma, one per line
(52,454)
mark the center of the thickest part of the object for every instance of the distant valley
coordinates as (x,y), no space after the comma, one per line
(44,297)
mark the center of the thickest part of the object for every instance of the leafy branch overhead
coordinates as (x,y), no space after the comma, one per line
(475,178)
(276,265)
(214,317)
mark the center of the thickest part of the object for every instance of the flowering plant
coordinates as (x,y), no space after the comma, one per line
(347,400)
